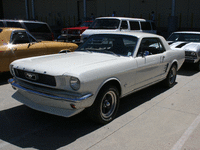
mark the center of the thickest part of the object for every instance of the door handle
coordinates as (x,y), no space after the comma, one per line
(162,58)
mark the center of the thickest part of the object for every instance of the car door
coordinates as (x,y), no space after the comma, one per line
(150,61)
(23,45)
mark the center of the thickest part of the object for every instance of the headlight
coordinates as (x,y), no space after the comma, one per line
(74,83)
(12,70)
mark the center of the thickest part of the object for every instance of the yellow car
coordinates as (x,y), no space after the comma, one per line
(16,43)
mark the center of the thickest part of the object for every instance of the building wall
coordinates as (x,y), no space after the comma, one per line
(65,12)
(14,9)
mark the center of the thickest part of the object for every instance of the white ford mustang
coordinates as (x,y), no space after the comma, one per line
(108,66)
(190,43)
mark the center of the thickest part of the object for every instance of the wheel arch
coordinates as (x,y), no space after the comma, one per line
(112,81)
(175,62)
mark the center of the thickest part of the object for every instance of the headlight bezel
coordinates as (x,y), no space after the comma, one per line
(74,83)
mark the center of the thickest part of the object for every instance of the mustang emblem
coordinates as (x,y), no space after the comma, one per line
(31,76)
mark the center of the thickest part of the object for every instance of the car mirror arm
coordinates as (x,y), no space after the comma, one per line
(29,44)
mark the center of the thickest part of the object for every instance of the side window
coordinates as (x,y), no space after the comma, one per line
(150,46)
(31,39)
(37,27)
(14,24)
(19,37)
(145,25)
(134,25)
(124,25)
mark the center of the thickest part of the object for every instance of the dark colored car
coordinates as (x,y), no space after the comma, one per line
(40,30)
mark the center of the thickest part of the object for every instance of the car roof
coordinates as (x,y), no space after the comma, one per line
(123,18)
(193,32)
(29,21)
(132,33)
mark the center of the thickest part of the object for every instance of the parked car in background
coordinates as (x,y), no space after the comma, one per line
(73,34)
(103,24)
(189,42)
(40,30)
(108,66)
(17,43)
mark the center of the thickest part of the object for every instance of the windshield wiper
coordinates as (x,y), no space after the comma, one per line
(84,50)
(111,52)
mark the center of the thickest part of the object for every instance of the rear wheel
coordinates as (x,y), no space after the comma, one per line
(171,77)
(105,106)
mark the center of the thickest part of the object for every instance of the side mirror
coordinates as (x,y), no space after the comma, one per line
(146,53)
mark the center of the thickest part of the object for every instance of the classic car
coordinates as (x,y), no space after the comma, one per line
(73,34)
(189,42)
(108,66)
(17,43)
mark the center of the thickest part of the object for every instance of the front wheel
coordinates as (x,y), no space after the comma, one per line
(171,77)
(105,107)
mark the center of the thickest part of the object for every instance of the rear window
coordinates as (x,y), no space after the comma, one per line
(146,25)
(37,27)
(1,24)
(134,25)
(14,24)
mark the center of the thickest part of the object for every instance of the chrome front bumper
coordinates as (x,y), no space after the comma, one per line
(17,86)
(52,104)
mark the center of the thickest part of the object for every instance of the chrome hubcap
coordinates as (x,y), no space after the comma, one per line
(172,75)
(108,104)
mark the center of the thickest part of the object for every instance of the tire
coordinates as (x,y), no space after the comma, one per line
(105,106)
(197,66)
(171,77)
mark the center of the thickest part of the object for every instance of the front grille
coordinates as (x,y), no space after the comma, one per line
(189,56)
(41,78)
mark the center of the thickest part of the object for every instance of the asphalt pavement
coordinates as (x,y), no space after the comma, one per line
(155,118)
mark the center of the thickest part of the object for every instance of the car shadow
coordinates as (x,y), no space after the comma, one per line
(187,70)
(4,77)
(27,128)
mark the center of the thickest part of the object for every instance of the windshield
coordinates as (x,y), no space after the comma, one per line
(105,24)
(188,37)
(121,45)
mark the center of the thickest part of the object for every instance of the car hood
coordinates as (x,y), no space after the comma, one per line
(72,63)
(186,46)
(96,31)
(52,44)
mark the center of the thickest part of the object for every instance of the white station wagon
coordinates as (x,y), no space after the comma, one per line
(107,67)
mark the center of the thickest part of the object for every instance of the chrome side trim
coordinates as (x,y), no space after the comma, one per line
(15,85)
